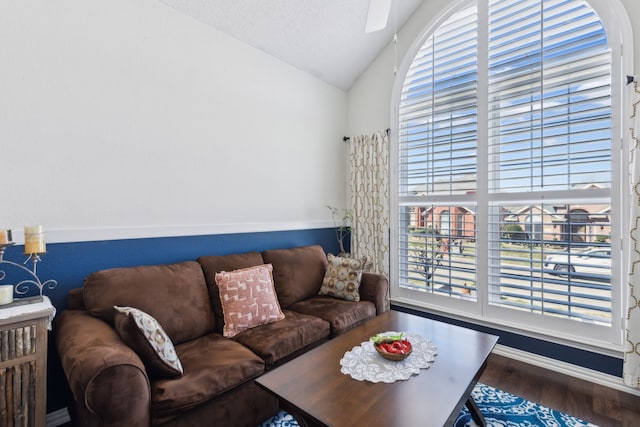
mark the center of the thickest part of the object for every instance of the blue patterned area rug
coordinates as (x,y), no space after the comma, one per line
(499,408)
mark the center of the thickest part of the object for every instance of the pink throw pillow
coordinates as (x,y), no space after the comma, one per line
(248,298)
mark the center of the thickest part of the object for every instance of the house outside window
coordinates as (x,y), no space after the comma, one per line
(509,169)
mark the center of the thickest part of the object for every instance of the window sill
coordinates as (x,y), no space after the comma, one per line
(597,347)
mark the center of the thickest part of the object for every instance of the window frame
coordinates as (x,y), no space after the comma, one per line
(564,331)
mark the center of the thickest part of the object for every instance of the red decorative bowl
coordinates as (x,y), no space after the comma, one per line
(395,350)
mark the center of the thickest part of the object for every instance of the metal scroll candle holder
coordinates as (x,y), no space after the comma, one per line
(25,285)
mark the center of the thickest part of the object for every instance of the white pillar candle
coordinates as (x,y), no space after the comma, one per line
(34,240)
(6,294)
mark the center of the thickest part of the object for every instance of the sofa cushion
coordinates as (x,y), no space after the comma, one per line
(297,272)
(276,342)
(213,264)
(248,298)
(342,278)
(342,315)
(146,337)
(212,365)
(173,294)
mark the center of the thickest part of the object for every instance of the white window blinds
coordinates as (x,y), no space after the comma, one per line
(534,177)
(438,117)
(549,96)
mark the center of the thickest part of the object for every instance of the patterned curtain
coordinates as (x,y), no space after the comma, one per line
(369,182)
(631,370)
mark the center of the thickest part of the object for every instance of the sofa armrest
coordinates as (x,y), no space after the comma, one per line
(374,287)
(108,380)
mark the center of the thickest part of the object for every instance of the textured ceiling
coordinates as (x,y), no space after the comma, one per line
(323,37)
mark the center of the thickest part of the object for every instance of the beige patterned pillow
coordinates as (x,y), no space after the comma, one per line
(342,278)
(146,337)
(248,298)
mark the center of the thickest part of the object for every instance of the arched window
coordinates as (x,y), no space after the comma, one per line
(509,107)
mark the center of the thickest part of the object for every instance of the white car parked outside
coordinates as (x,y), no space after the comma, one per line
(593,261)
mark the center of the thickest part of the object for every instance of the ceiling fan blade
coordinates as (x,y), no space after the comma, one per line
(378,15)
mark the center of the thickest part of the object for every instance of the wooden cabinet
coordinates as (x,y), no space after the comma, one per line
(23,364)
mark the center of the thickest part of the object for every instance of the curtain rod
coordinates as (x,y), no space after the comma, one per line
(347,138)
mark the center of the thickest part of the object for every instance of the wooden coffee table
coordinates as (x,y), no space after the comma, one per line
(312,388)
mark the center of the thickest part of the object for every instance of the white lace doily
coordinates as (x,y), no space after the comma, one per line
(364,363)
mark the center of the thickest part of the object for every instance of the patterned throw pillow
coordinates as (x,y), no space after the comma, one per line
(248,298)
(342,279)
(146,337)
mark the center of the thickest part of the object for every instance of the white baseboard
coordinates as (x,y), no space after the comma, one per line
(566,368)
(57,418)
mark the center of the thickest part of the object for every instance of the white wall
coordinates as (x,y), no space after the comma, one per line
(369,99)
(124,115)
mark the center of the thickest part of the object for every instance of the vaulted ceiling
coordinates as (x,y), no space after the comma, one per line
(325,38)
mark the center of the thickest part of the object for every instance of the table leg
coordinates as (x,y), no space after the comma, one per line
(475,412)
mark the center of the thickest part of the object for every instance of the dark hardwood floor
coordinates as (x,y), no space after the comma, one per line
(591,402)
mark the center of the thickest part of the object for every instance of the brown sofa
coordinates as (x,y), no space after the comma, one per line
(109,382)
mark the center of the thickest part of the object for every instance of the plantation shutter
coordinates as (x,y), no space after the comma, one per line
(438,158)
(550,154)
(438,118)
(549,96)
(542,192)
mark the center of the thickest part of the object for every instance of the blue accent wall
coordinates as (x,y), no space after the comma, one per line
(70,263)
